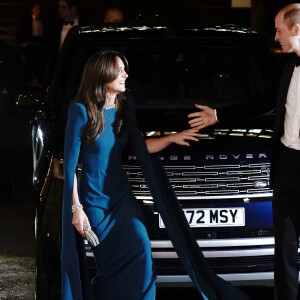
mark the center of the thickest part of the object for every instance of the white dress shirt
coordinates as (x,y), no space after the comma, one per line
(37,27)
(65,30)
(291,137)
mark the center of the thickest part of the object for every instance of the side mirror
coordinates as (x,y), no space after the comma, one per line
(32,97)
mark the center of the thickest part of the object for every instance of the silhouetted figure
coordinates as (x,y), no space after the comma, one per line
(68,17)
(32,38)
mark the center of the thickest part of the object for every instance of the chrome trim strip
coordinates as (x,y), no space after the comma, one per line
(261,165)
(217,254)
(181,179)
(212,254)
(220,192)
(200,173)
(213,197)
(222,167)
(220,242)
(244,172)
(240,279)
(199,186)
(222,179)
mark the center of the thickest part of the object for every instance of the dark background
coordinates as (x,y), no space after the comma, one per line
(260,16)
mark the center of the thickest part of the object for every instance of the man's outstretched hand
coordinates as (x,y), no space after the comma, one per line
(204,118)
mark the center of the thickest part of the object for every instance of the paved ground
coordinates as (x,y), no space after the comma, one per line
(17,277)
(17,265)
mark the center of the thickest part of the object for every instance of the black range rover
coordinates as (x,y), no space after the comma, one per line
(222,181)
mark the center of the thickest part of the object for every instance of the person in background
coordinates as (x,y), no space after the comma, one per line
(68,17)
(285,164)
(113,15)
(32,37)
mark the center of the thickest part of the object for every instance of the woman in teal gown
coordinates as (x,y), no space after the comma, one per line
(99,126)
(123,257)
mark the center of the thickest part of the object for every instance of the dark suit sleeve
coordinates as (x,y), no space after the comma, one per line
(208,284)
(253,108)
(259,100)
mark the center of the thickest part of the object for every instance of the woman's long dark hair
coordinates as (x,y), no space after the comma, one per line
(100,69)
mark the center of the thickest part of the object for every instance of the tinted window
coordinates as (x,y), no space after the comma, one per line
(181,76)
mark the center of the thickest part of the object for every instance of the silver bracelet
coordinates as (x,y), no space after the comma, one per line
(76,207)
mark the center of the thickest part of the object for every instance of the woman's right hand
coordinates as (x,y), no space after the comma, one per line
(80,221)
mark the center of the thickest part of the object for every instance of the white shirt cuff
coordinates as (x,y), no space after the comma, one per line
(216,116)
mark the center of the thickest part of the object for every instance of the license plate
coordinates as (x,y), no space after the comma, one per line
(213,217)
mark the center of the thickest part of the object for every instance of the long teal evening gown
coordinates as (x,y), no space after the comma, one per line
(123,257)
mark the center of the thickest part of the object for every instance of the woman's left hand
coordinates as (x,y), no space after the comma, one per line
(80,221)
(181,138)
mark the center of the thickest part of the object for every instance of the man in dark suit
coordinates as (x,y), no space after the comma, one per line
(285,166)
(68,17)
